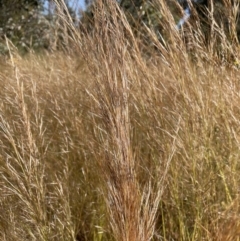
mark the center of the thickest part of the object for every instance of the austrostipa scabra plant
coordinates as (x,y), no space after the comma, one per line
(131,207)
(123,134)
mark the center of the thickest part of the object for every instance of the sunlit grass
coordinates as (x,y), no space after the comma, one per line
(112,143)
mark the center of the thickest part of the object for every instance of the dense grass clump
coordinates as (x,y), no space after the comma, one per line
(122,140)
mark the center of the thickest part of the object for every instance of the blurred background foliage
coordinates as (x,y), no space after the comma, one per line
(33,24)
(30,24)
(21,22)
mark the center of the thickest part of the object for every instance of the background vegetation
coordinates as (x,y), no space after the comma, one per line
(122,136)
(32,25)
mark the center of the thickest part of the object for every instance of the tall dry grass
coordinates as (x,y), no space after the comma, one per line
(124,138)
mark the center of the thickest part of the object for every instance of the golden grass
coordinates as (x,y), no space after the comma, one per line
(113,143)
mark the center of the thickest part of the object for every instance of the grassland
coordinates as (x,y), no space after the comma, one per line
(121,140)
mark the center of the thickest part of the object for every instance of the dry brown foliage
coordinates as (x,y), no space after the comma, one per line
(119,140)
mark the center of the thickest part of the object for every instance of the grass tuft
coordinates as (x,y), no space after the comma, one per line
(123,136)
